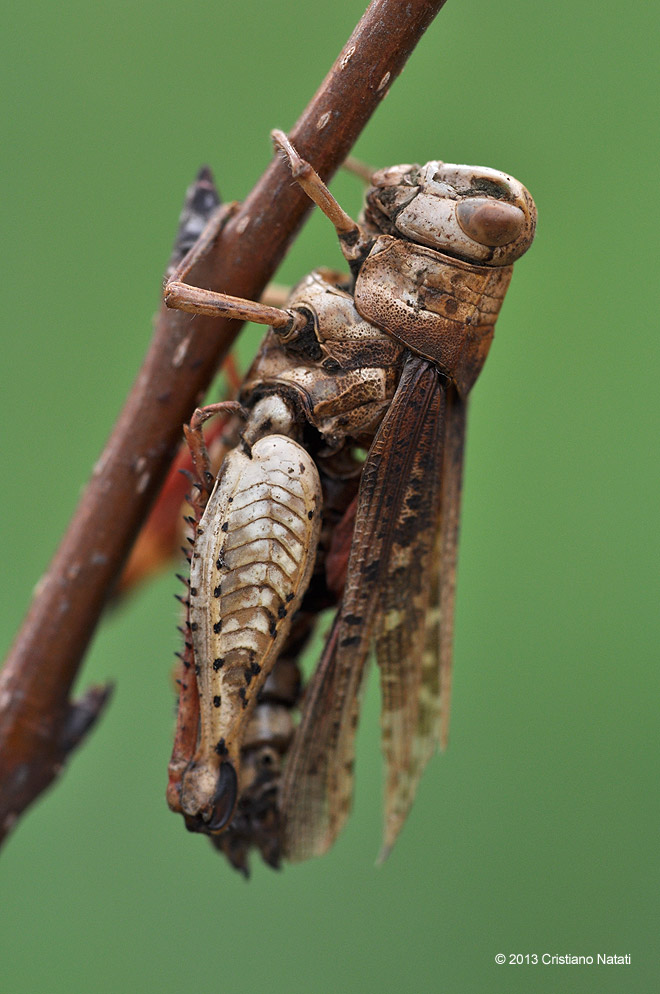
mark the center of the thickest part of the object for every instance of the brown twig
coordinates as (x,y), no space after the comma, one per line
(39,725)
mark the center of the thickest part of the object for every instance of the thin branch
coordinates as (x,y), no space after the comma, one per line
(39,725)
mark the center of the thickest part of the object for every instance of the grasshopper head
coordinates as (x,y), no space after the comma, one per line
(475,213)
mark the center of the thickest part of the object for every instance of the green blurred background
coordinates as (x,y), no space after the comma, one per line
(534,833)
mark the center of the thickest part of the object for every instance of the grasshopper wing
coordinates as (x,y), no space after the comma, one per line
(385,602)
(433,696)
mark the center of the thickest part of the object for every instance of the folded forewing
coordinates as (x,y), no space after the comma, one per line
(385,598)
(452,480)
(434,646)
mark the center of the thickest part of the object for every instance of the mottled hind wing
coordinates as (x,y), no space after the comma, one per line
(386,595)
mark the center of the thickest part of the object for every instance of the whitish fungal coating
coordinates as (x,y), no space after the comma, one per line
(254,554)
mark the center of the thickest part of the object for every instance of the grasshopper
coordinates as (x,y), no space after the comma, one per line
(382,361)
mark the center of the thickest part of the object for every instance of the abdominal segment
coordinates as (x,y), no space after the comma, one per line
(251,564)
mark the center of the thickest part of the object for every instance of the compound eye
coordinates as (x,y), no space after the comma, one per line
(490,222)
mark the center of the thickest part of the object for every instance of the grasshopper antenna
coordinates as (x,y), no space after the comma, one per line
(358,168)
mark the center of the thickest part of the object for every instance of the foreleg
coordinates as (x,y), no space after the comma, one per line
(353,240)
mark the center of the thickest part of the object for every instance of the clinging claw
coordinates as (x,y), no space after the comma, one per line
(298,165)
